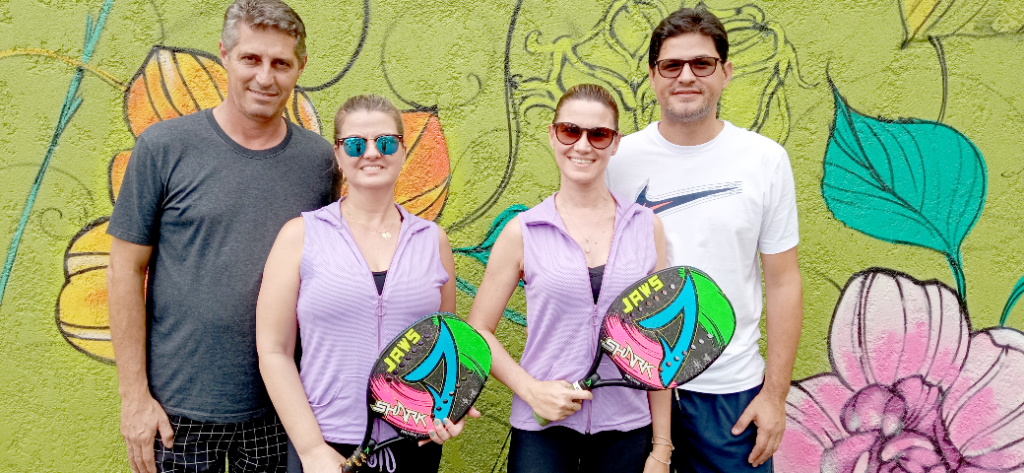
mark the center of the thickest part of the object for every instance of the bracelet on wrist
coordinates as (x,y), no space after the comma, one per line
(668,441)
(668,463)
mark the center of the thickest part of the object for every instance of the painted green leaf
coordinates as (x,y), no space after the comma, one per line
(907,181)
(1015,294)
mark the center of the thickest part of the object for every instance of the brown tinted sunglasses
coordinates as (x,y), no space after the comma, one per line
(569,133)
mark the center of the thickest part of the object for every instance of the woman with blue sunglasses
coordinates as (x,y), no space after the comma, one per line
(348,278)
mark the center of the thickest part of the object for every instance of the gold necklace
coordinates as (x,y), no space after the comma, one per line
(586,239)
(385,234)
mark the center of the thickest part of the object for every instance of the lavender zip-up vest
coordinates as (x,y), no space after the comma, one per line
(564,322)
(344,324)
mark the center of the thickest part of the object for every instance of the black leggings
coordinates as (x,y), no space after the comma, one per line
(405,457)
(563,450)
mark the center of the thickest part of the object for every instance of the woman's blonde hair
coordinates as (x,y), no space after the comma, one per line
(367,103)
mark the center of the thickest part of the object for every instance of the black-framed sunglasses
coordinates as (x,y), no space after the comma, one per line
(569,133)
(700,66)
(355,146)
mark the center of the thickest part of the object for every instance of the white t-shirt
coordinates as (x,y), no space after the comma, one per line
(721,203)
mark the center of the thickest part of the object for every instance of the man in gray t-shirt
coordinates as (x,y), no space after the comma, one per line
(201,204)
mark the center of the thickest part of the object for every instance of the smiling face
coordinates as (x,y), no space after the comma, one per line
(262,71)
(580,162)
(688,98)
(372,170)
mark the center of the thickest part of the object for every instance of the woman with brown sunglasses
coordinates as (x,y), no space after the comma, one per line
(575,252)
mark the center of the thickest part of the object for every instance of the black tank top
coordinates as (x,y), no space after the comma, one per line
(378,279)
(596,275)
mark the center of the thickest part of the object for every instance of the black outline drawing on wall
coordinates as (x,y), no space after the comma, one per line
(352,59)
(759,49)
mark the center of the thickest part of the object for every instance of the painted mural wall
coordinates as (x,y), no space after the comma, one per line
(904,121)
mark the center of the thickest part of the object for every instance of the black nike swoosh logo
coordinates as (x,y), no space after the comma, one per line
(662,205)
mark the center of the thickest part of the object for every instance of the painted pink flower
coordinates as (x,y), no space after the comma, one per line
(911,388)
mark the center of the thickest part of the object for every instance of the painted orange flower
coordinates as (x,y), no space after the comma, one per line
(422,187)
(171,82)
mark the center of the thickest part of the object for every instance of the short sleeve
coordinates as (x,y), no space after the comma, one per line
(138,207)
(779,226)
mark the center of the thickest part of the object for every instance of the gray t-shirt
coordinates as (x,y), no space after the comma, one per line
(211,209)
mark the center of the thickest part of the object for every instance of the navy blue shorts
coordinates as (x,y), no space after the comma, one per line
(702,433)
(563,450)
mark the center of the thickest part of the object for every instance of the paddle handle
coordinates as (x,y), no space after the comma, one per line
(581,385)
(358,458)
(353,462)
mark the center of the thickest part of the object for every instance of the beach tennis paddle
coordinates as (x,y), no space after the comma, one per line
(662,331)
(435,369)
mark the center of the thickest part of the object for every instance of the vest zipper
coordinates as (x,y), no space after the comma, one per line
(380,318)
(380,325)
(593,314)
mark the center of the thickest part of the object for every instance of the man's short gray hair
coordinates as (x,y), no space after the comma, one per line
(261,14)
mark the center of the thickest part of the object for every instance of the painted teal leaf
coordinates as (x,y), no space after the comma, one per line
(510,314)
(1015,294)
(906,181)
(72,101)
(482,253)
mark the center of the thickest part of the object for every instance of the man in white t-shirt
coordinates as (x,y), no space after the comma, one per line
(726,197)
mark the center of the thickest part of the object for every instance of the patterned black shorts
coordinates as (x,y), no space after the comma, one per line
(258,445)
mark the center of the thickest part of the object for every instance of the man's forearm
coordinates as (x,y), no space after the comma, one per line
(783,338)
(784,320)
(126,280)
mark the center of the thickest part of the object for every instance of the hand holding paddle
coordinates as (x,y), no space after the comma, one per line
(433,371)
(555,400)
(445,431)
(661,332)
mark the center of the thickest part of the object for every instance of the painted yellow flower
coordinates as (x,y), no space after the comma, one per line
(923,19)
(82,304)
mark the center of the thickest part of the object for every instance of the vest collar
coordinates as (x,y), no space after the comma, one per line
(545,213)
(410,223)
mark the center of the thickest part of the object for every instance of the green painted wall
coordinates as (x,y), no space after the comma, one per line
(491,70)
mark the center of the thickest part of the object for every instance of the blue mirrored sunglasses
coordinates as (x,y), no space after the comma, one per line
(355,146)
